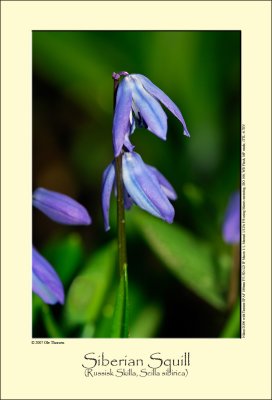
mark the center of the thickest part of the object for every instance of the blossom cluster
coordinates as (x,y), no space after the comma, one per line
(138,105)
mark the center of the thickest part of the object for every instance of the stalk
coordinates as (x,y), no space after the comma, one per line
(121,222)
(120,319)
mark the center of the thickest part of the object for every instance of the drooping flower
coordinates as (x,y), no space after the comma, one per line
(231,226)
(138,105)
(60,208)
(144,185)
(64,210)
(45,281)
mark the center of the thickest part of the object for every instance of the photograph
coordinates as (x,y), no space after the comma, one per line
(136,180)
(136,200)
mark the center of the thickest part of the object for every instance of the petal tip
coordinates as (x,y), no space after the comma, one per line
(170,218)
(87,220)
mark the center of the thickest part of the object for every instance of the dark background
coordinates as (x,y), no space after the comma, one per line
(72,145)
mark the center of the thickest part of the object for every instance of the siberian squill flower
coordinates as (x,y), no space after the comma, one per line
(60,208)
(231,226)
(45,281)
(138,105)
(144,185)
(64,210)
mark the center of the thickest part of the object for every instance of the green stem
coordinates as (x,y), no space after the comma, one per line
(232,327)
(121,223)
(120,318)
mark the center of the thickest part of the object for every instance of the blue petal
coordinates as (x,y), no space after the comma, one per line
(231,226)
(127,143)
(128,202)
(165,185)
(121,119)
(144,188)
(45,280)
(132,123)
(149,108)
(163,98)
(60,208)
(107,185)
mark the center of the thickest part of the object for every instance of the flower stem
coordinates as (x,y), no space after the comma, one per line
(121,223)
(120,318)
(122,252)
(235,276)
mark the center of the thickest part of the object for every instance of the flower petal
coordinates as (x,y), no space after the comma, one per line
(149,108)
(121,119)
(165,185)
(132,123)
(45,281)
(231,226)
(163,98)
(60,208)
(144,189)
(128,202)
(107,185)
(127,143)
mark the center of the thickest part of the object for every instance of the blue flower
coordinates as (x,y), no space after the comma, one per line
(138,105)
(60,208)
(45,281)
(231,226)
(144,185)
(63,209)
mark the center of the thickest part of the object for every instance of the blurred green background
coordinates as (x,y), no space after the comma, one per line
(179,275)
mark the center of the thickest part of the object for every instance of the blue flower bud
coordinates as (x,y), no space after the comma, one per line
(108,180)
(60,208)
(45,281)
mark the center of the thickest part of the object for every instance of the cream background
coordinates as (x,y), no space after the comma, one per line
(222,368)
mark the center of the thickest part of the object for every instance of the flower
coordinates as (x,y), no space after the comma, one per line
(144,185)
(231,226)
(63,209)
(60,208)
(138,104)
(45,281)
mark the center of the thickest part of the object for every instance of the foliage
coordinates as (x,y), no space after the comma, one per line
(178,274)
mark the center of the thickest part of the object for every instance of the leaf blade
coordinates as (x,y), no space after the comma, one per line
(120,316)
(89,289)
(187,258)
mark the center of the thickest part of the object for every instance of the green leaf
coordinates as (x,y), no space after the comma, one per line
(103,328)
(88,290)
(232,327)
(65,254)
(37,304)
(88,331)
(147,321)
(52,328)
(146,313)
(120,316)
(187,258)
